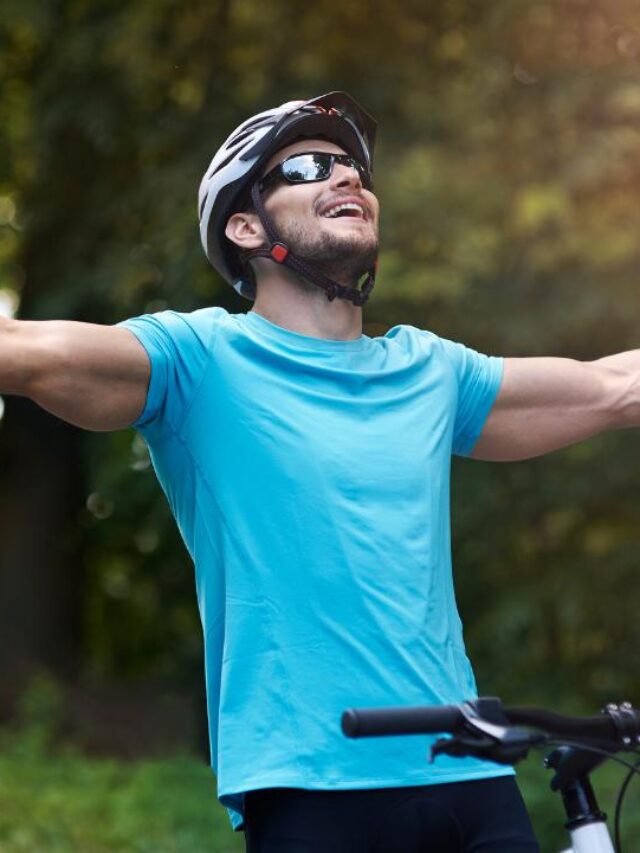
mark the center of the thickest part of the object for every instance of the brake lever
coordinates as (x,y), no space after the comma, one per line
(509,750)
(482,739)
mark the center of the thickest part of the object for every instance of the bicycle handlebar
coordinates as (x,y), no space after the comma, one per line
(617,723)
(482,728)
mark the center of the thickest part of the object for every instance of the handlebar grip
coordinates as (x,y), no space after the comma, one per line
(363,722)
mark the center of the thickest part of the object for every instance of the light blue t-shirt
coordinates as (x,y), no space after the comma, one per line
(310,481)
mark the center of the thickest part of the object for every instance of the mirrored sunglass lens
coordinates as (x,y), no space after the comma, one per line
(307,167)
(352,163)
(360,169)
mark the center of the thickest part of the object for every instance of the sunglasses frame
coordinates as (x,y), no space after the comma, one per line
(278,173)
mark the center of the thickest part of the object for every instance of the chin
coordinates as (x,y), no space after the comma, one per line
(353,252)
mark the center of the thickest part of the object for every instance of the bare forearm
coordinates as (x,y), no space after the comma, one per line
(16,364)
(624,371)
(36,356)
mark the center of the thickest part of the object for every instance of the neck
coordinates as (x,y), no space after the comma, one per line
(306,310)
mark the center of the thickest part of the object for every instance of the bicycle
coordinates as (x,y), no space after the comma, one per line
(483,728)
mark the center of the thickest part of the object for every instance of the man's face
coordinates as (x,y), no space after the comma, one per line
(343,246)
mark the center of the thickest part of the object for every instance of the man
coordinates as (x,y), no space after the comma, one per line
(307,466)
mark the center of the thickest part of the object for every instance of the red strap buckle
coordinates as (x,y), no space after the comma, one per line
(279,252)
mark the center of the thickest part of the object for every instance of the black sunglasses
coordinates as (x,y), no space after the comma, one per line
(309,167)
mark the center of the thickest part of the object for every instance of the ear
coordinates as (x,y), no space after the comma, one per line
(246,231)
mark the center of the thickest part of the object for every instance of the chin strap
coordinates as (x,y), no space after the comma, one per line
(281,254)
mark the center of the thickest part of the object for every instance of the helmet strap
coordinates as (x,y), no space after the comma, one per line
(281,254)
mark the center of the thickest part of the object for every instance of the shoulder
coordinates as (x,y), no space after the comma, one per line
(181,328)
(422,340)
(452,357)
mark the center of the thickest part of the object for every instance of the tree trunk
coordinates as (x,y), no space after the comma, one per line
(41,494)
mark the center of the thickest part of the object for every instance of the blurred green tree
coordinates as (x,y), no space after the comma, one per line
(508,174)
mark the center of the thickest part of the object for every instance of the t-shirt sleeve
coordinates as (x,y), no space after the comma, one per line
(479,377)
(178,346)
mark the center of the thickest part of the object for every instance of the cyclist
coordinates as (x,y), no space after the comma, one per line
(307,466)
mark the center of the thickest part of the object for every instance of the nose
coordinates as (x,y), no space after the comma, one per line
(345,176)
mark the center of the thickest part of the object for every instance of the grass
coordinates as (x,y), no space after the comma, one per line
(59,801)
(67,802)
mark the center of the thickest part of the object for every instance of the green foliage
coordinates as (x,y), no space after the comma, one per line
(508,175)
(56,799)
(39,715)
(62,802)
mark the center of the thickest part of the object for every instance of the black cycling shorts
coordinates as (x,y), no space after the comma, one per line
(484,816)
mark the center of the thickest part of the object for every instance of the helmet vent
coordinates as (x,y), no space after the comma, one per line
(224,163)
(237,140)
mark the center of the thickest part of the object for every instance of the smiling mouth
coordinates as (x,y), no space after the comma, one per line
(347,210)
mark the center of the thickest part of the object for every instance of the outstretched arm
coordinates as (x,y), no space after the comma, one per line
(548,403)
(92,376)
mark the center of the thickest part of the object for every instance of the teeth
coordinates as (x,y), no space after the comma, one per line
(334,211)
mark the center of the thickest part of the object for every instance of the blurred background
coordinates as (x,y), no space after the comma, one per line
(508,171)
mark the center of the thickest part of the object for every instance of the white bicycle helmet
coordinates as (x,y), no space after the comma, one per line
(232,177)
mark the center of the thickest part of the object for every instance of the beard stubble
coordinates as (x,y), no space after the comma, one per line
(344,258)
